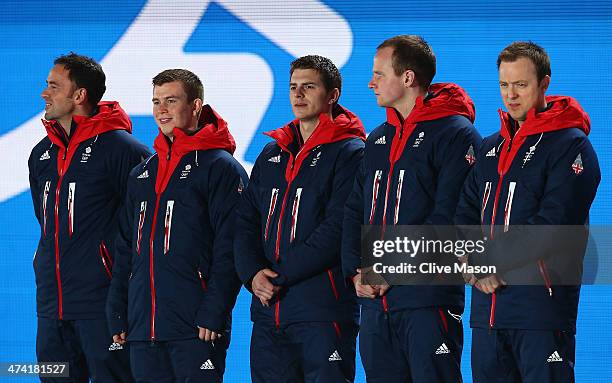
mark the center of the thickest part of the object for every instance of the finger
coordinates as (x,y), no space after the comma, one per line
(213,336)
(201,333)
(270,273)
(123,335)
(116,339)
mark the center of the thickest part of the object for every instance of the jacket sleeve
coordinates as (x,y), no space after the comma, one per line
(321,250)
(117,298)
(34,187)
(453,167)
(566,200)
(351,226)
(248,247)
(225,184)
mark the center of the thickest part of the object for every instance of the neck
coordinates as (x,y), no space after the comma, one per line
(307,127)
(405,105)
(540,108)
(66,122)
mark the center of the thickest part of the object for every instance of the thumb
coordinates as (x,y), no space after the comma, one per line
(123,335)
(270,273)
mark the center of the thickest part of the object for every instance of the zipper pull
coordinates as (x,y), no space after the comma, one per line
(168,157)
(64,155)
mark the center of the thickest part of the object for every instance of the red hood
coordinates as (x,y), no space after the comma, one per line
(110,116)
(214,134)
(446,99)
(565,113)
(345,124)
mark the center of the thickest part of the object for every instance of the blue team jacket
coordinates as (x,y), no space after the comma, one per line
(412,174)
(77,185)
(290,220)
(546,173)
(174,268)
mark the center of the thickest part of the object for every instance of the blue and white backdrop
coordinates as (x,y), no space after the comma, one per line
(242,49)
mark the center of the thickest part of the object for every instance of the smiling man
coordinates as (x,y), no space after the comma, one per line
(174,284)
(78,176)
(539,169)
(288,231)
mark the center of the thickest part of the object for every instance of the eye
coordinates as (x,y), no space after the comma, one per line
(155,102)
(521,85)
(292,87)
(309,86)
(503,85)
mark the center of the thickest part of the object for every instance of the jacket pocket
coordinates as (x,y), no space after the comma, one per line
(271,208)
(71,195)
(375,190)
(168,225)
(107,262)
(45,198)
(141,220)
(294,213)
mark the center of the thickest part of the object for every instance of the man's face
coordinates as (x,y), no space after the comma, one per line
(172,110)
(388,87)
(58,95)
(308,95)
(519,87)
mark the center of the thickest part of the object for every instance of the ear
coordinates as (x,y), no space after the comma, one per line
(334,95)
(197,107)
(545,83)
(80,96)
(409,78)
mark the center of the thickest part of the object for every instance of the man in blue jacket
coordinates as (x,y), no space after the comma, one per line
(539,169)
(288,232)
(174,283)
(78,176)
(414,166)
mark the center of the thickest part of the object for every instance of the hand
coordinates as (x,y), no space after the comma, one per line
(263,288)
(489,284)
(120,338)
(368,291)
(208,335)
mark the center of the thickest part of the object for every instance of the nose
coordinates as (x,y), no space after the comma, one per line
(512,94)
(45,93)
(298,92)
(371,83)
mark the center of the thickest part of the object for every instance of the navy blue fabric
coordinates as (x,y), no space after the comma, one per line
(308,187)
(539,164)
(308,352)
(84,344)
(422,345)
(439,141)
(522,356)
(94,166)
(174,268)
(181,361)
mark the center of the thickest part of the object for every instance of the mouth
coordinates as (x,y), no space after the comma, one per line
(47,105)
(164,121)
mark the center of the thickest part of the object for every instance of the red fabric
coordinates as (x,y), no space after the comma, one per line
(345,124)
(446,100)
(565,113)
(213,134)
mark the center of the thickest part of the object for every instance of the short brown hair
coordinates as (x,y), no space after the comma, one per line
(528,50)
(191,83)
(327,70)
(86,73)
(411,52)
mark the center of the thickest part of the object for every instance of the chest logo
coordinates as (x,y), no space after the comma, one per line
(86,154)
(381,141)
(577,165)
(185,172)
(275,159)
(470,156)
(528,155)
(315,159)
(491,153)
(419,139)
(45,156)
(144,174)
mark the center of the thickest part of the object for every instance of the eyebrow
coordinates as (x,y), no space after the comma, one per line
(165,98)
(306,83)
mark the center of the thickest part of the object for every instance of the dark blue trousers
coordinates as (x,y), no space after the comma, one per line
(180,361)
(522,356)
(307,352)
(84,344)
(419,346)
